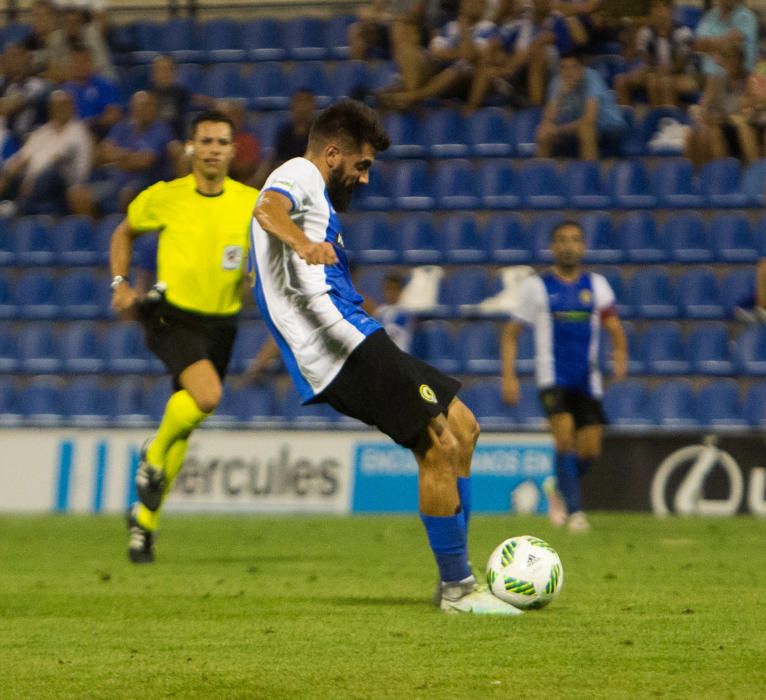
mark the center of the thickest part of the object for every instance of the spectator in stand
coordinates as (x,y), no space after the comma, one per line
(664,66)
(173,99)
(77,30)
(133,156)
(97,99)
(44,20)
(729,25)
(23,96)
(398,321)
(392,29)
(523,54)
(453,55)
(580,115)
(56,156)
(293,135)
(720,125)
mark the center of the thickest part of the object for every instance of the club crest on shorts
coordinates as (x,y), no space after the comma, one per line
(427,393)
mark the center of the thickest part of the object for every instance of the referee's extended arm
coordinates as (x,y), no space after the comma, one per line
(272,213)
(124,296)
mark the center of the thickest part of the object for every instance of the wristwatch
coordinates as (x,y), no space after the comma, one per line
(117,280)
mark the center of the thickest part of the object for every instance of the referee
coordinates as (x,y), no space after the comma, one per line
(190,318)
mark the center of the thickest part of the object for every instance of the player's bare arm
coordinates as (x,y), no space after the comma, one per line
(124,297)
(509,343)
(272,213)
(616,332)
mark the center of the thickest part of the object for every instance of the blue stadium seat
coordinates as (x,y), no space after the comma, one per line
(749,352)
(541,185)
(127,403)
(125,350)
(350,79)
(719,183)
(676,185)
(500,187)
(39,349)
(698,295)
(434,343)
(7,244)
(82,295)
(103,235)
(420,245)
(754,183)
(9,349)
(148,40)
(488,133)
(529,412)
(87,403)
(621,291)
(382,75)
(263,40)
(525,351)
(156,395)
(485,399)
(653,294)
(754,405)
(687,239)
(82,350)
(636,363)
(74,239)
(250,339)
(407,140)
(626,405)
(455,185)
(34,296)
(33,241)
(15,33)
(732,238)
(266,87)
(318,415)
(311,75)
(737,286)
(374,241)
(602,245)
(522,129)
(661,347)
(688,15)
(637,234)
(673,405)
(369,281)
(631,145)
(479,346)
(180,38)
(223,80)
(446,135)
(466,288)
(507,241)
(759,236)
(257,405)
(41,402)
(707,348)
(267,127)
(412,186)
(305,40)
(376,194)
(9,411)
(462,242)
(540,229)
(227,413)
(336,33)
(8,306)
(583,186)
(221,40)
(190,75)
(629,187)
(718,405)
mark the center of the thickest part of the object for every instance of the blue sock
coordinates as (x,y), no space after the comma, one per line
(464,492)
(446,535)
(568,479)
(583,466)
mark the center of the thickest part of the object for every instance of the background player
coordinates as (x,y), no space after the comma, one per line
(203,220)
(567,307)
(338,354)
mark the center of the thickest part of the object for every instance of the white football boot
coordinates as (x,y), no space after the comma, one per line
(467,597)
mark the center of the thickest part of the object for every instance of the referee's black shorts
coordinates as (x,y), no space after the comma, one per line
(180,338)
(383,386)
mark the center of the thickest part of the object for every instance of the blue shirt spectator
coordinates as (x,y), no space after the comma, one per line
(730,21)
(152,138)
(571,103)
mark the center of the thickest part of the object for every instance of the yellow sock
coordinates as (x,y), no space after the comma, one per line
(181,416)
(174,460)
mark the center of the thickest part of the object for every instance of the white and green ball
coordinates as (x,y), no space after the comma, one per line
(525,571)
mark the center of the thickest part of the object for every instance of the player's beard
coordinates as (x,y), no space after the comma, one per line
(338,191)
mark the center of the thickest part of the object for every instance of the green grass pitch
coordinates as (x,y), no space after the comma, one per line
(318,607)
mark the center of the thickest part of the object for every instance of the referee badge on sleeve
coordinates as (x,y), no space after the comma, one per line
(427,393)
(232,257)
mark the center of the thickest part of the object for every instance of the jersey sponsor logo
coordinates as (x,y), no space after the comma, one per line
(283,184)
(232,257)
(572,316)
(427,393)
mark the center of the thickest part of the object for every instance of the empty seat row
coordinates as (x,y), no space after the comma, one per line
(541,184)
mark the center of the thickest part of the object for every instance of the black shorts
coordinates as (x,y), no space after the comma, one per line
(382,386)
(180,338)
(584,408)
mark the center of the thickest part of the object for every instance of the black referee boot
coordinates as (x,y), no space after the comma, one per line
(150,481)
(141,543)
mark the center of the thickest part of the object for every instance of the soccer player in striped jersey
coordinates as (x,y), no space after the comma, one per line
(338,354)
(566,307)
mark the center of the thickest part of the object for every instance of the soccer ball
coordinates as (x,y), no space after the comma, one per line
(525,571)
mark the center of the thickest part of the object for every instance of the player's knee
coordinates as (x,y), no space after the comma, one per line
(209,399)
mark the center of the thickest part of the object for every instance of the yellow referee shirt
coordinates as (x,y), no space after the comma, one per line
(201,255)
